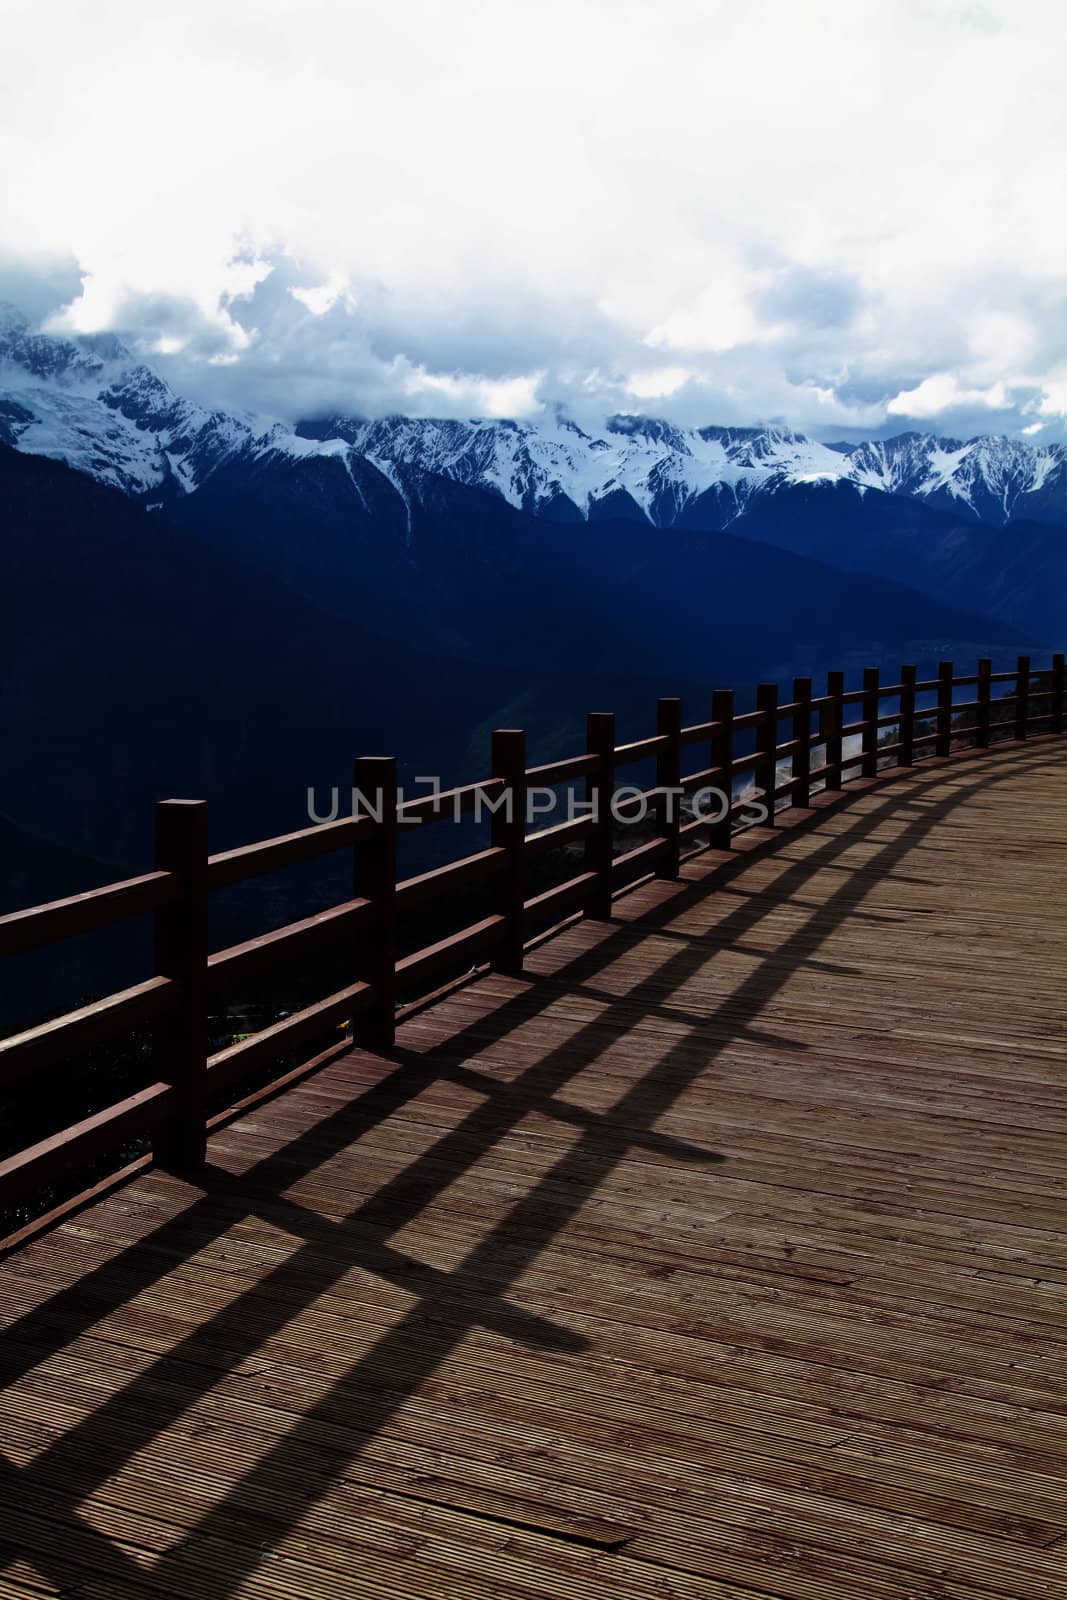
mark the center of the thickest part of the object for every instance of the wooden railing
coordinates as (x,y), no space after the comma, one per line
(172,1112)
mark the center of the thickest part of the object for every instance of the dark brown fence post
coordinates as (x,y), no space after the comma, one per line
(599,791)
(943,744)
(374,873)
(1056,704)
(906,732)
(668,777)
(1022,696)
(831,722)
(509,833)
(802,731)
(985,668)
(181,951)
(766,771)
(722,757)
(871,706)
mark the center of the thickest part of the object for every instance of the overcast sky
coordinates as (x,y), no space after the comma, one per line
(844,215)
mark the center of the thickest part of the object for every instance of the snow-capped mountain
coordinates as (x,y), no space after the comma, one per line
(996,479)
(644,467)
(210,599)
(638,467)
(91,403)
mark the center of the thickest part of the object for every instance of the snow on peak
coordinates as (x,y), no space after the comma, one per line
(89,401)
(991,478)
(544,467)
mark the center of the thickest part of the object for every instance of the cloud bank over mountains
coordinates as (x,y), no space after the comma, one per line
(840,216)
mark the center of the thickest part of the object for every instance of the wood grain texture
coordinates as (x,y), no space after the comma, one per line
(721,1255)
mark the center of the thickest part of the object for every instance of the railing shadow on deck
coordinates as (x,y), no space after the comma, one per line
(327,1439)
(167,1120)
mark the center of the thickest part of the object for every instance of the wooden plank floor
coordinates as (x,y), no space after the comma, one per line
(725,1257)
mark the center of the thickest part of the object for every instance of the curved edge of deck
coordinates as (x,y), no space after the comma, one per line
(723,1255)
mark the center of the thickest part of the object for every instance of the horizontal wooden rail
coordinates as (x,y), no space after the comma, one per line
(468,869)
(562,833)
(640,854)
(474,937)
(451,803)
(172,1111)
(85,913)
(76,1146)
(271,855)
(332,1012)
(66,1036)
(563,894)
(562,771)
(641,749)
(636,804)
(705,778)
(242,961)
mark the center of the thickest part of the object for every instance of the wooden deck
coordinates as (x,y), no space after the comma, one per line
(728,1259)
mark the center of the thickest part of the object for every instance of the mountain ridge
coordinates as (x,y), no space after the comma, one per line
(91,402)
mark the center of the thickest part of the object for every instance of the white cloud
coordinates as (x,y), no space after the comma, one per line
(943,392)
(1002,340)
(656,383)
(324,295)
(785,200)
(465,394)
(1053,402)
